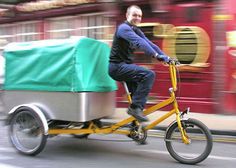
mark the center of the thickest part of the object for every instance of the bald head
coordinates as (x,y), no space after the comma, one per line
(134,15)
(132,7)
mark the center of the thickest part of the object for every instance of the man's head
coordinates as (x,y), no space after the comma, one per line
(134,15)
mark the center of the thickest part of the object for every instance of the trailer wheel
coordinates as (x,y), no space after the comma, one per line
(26,132)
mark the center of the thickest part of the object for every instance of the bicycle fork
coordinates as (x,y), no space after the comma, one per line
(183,133)
(179,116)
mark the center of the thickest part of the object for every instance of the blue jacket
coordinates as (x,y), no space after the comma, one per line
(127,39)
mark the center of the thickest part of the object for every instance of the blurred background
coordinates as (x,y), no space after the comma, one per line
(201,34)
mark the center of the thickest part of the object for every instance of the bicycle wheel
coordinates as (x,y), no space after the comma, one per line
(26,132)
(200,142)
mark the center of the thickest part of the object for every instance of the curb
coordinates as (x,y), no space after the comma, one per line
(162,128)
(223,132)
(213,132)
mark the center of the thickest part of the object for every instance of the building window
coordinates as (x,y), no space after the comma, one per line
(62,27)
(27,31)
(20,32)
(89,25)
(7,33)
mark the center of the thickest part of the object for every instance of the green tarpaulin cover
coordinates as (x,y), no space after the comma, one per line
(72,65)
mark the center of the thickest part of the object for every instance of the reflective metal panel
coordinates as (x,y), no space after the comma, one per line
(71,106)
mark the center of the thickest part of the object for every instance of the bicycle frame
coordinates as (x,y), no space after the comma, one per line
(115,127)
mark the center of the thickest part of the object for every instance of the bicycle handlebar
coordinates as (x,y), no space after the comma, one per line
(173,61)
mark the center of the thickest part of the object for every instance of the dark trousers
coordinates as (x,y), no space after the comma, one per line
(139,80)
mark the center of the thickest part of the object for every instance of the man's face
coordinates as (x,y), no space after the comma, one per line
(134,16)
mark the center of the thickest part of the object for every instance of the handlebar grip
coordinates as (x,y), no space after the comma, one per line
(174,62)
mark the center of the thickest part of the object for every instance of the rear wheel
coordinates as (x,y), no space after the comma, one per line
(27,132)
(200,144)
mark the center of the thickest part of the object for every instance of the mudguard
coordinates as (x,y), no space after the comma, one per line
(32,107)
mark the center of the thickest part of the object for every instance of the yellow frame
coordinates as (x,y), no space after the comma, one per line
(114,128)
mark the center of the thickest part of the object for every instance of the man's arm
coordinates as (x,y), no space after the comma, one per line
(155,47)
(137,42)
(160,54)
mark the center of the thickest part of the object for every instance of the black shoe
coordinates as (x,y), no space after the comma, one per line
(138,114)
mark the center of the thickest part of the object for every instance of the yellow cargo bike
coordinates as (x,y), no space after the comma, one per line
(62,87)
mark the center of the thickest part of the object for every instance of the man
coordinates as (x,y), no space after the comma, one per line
(127,38)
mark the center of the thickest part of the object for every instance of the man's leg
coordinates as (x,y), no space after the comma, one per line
(132,86)
(143,88)
(144,79)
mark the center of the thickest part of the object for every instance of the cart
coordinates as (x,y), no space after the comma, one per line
(56,81)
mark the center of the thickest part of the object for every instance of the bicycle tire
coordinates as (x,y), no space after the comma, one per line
(199,135)
(24,125)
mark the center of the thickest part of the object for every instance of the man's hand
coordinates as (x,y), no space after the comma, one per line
(167,59)
(173,61)
(163,58)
